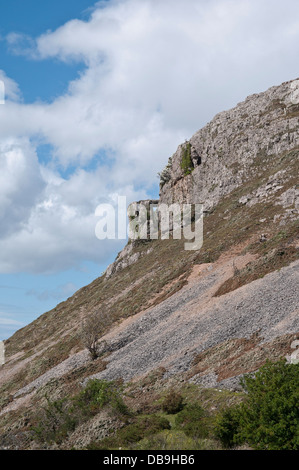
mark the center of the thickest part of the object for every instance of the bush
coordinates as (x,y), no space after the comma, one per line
(227,428)
(100,393)
(269,417)
(186,162)
(61,417)
(191,420)
(173,403)
(55,422)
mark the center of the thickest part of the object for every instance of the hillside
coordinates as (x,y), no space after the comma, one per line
(192,320)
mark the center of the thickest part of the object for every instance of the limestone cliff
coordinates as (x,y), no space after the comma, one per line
(233,148)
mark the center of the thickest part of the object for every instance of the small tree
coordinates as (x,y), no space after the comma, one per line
(269,417)
(173,403)
(92,330)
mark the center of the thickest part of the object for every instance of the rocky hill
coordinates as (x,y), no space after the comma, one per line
(236,147)
(177,318)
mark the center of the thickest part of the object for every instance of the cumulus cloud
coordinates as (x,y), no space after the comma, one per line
(174,64)
(21,44)
(154,73)
(11,88)
(20,184)
(56,230)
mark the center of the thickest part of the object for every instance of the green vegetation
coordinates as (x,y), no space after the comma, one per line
(187,163)
(56,421)
(126,437)
(192,421)
(264,417)
(60,417)
(175,440)
(165,174)
(269,417)
(98,394)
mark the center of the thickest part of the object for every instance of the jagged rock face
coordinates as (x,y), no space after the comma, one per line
(223,155)
(127,256)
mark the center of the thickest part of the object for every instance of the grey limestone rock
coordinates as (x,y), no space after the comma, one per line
(228,151)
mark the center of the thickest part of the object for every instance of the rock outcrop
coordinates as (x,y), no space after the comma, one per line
(233,147)
(128,256)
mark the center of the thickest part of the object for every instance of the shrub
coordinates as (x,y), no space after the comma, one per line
(191,421)
(173,403)
(60,417)
(227,427)
(269,417)
(165,174)
(186,162)
(55,422)
(98,394)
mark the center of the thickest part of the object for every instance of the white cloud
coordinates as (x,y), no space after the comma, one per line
(176,63)
(21,44)
(155,72)
(20,184)
(11,88)
(56,231)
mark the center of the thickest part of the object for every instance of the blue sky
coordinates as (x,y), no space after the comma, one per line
(39,80)
(98,96)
